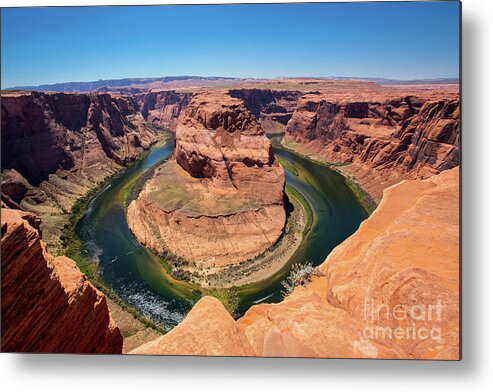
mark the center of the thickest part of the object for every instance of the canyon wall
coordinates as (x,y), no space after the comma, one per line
(47,304)
(270,107)
(162,108)
(391,290)
(383,140)
(380,135)
(220,201)
(56,147)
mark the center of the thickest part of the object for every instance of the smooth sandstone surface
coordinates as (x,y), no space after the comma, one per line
(406,254)
(208,329)
(48,305)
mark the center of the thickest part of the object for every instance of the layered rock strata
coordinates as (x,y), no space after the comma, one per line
(383,141)
(56,147)
(220,201)
(162,108)
(273,108)
(48,305)
(391,290)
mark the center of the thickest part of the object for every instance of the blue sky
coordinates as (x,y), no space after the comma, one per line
(391,40)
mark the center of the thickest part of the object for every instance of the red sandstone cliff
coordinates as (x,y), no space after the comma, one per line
(265,104)
(43,132)
(57,146)
(47,304)
(162,108)
(382,139)
(218,138)
(391,290)
(405,255)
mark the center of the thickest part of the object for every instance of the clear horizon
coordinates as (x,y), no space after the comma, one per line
(404,41)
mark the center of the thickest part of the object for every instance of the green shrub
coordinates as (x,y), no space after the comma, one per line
(229,298)
(300,275)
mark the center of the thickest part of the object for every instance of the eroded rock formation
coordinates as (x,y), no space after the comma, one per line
(391,290)
(383,140)
(47,304)
(56,147)
(221,201)
(270,107)
(162,108)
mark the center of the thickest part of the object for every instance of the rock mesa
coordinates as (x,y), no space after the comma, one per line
(220,201)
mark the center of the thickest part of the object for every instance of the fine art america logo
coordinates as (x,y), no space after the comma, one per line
(400,322)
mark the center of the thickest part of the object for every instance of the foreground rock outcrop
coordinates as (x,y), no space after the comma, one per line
(391,290)
(57,146)
(48,305)
(221,201)
(384,139)
(208,329)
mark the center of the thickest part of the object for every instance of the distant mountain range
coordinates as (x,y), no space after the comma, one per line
(114,83)
(398,81)
(110,84)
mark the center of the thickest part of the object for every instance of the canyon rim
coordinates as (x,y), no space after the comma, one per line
(262,216)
